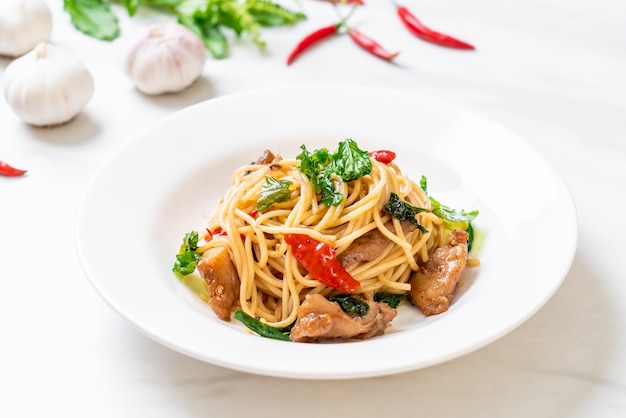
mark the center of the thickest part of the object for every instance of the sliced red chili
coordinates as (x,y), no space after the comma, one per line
(311,39)
(383,156)
(371,45)
(421,31)
(321,262)
(9,171)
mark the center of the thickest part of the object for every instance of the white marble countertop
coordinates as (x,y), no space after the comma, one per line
(552,71)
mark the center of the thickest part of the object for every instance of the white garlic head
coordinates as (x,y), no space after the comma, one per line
(23,24)
(47,86)
(168,59)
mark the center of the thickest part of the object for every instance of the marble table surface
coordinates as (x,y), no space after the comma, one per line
(551,71)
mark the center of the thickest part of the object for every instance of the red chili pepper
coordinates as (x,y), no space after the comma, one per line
(8,171)
(383,156)
(312,39)
(371,45)
(320,260)
(418,29)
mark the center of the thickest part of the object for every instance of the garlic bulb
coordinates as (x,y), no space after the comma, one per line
(23,24)
(47,86)
(169,58)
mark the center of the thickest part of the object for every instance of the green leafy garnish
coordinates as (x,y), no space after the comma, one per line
(187,257)
(404,211)
(350,304)
(262,329)
(391,299)
(270,14)
(452,218)
(273,191)
(348,163)
(94,18)
(208,19)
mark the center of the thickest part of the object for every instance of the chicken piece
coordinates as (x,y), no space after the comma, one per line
(220,274)
(433,286)
(370,245)
(320,319)
(266,158)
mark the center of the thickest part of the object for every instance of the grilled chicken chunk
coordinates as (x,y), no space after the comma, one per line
(320,319)
(433,286)
(220,275)
(266,158)
(370,245)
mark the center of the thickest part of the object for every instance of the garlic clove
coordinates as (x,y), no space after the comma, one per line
(23,24)
(167,59)
(47,86)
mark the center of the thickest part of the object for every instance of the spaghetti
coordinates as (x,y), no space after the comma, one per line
(273,283)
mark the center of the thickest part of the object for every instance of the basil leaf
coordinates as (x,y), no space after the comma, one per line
(273,191)
(452,218)
(350,162)
(350,304)
(260,328)
(209,32)
(391,299)
(187,258)
(404,211)
(131,6)
(93,18)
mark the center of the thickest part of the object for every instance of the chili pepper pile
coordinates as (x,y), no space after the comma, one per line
(410,21)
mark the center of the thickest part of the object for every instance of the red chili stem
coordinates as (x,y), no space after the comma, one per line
(421,31)
(312,39)
(371,45)
(8,171)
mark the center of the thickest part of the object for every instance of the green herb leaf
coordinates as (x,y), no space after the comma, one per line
(452,218)
(391,299)
(209,32)
(348,163)
(350,304)
(269,14)
(404,211)
(273,191)
(94,18)
(260,328)
(187,258)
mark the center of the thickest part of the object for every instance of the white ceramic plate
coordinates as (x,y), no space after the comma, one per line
(168,180)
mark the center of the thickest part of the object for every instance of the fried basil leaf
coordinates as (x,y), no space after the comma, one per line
(348,164)
(391,299)
(404,211)
(350,304)
(452,218)
(262,329)
(187,258)
(273,191)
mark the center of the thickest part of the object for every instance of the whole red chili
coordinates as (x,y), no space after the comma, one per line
(418,29)
(312,39)
(383,156)
(8,171)
(371,45)
(321,262)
